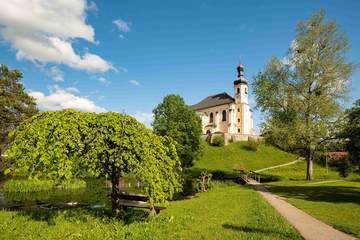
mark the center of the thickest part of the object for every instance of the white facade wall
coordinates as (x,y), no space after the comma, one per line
(247,120)
(218,125)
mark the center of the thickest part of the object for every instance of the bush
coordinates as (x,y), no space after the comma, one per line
(190,186)
(253,144)
(218,141)
(205,181)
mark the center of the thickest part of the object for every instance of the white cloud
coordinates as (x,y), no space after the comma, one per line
(56,74)
(145,118)
(72,89)
(59,98)
(91,6)
(122,25)
(43,31)
(134,82)
(103,80)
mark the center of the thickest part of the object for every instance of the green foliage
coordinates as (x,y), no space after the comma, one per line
(306,94)
(63,144)
(37,185)
(253,144)
(205,181)
(217,141)
(351,133)
(15,104)
(190,186)
(173,118)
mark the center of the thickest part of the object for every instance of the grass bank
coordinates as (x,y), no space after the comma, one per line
(227,211)
(297,172)
(238,156)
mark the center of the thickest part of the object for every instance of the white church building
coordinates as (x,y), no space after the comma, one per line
(231,116)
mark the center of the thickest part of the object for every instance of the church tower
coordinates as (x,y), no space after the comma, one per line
(244,121)
(240,87)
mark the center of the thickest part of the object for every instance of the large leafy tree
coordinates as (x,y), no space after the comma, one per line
(302,96)
(64,144)
(173,118)
(15,104)
(351,133)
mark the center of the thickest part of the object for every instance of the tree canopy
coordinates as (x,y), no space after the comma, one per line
(15,104)
(306,88)
(67,143)
(351,133)
(173,118)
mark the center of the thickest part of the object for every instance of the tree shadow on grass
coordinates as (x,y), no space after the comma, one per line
(335,194)
(257,230)
(130,215)
(216,174)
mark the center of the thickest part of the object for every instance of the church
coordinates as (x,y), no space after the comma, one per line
(228,115)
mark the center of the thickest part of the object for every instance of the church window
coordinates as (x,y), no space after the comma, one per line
(211,117)
(245,90)
(238,90)
(238,130)
(224,116)
(238,109)
(238,119)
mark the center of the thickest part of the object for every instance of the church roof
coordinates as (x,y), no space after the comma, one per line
(214,100)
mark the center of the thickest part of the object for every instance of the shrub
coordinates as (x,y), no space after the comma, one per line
(205,181)
(190,186)
(218,141)
(253,144)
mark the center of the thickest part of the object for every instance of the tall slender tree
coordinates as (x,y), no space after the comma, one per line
(15,104)
(306,89)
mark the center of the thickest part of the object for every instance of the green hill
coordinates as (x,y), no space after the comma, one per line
(237,156)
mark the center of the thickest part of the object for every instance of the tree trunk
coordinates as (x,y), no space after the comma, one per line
(117,209)
(309,166)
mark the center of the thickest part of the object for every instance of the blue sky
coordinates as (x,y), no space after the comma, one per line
(127,55)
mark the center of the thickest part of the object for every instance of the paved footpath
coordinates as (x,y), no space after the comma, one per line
(309,227)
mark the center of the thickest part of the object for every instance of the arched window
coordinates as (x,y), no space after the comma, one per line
(238,90)
(245,90)
(211,118)
(224,115)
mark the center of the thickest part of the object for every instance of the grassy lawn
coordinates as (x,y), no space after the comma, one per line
(336,203)
(236,156)
(227,211)
(297,172)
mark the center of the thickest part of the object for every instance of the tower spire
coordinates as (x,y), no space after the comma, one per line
(240,70)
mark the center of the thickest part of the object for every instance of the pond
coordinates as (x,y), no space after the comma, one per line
(96,194)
